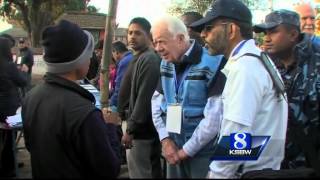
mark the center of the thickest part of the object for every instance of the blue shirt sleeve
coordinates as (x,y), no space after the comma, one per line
(123,64)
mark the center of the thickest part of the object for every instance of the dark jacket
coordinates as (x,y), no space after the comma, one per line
(144,79)
(11,78)
(26,58)
(65,134)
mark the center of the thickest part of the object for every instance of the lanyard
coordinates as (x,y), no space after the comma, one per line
(238,48)
(184,75)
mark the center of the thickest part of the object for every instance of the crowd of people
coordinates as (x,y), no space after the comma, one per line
(179,85)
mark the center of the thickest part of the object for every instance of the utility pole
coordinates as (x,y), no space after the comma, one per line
(107,53)
(271,5)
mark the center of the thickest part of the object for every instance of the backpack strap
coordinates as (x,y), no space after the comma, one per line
(277,82)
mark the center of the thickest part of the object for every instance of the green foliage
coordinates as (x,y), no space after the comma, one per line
(92,9)
(34,15)
(178,7)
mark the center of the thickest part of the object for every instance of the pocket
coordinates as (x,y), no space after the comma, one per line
(197,93)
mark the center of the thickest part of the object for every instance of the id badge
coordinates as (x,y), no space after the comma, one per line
(174,118)
(19,60)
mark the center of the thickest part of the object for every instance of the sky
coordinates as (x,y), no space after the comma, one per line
(151,9)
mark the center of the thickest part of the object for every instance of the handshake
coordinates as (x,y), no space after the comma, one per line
(171,152)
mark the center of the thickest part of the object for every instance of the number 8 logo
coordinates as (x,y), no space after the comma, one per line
(240,142)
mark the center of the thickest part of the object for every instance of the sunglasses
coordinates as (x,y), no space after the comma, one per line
(208,28)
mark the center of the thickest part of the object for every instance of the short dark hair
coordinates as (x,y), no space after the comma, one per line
(143,22)
(119,46)
(10,38)
(193,15)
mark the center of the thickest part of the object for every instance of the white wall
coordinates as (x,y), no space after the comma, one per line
(39,66)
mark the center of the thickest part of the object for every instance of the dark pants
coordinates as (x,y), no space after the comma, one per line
(7,166)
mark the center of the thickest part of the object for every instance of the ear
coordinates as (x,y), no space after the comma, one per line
(294,35)
(232,30)
(180,37)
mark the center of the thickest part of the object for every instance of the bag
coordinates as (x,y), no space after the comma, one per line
(283,173)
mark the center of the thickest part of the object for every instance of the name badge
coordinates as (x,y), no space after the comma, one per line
(174,119)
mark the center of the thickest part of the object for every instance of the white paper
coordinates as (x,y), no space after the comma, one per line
(174,120)
(14,120)
(19,60)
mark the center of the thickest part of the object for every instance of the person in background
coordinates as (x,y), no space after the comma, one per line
(251,102)
(11,78)
(298,61)
(25,61)
(123,57)
(112,76)
(95,65)
(307,20)
(93,71)
(65,133)
(188,18)
(141,136)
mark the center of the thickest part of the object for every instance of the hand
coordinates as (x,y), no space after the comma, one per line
(111,117)
(24,68)
(182,155)
(170,151)
(210,175)
(127,140)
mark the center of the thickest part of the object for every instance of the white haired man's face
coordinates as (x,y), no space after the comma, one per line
(307,18)
(168,46)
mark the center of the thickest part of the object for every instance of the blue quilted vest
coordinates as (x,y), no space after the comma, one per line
(192,94)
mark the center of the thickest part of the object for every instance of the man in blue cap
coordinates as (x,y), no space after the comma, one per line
(298,61)
(251,103)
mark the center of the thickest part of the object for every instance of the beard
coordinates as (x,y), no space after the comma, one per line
(218,45)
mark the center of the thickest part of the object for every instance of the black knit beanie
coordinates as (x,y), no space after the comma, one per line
(66,46)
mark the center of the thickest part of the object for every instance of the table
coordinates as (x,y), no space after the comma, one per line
(94,91)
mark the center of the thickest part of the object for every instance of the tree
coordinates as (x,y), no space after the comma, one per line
(180,6)
(34,15)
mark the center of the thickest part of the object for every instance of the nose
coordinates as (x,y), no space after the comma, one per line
(157,47)
(203,34)
(266,38)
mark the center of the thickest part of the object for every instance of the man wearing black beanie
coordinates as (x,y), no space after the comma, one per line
(64,131)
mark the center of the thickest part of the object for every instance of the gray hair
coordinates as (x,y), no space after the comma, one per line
(175,26)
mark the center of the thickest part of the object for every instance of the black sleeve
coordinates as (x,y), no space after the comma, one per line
(216,86)
(28,59)
(147,78)
(99,146)
(16,76)
(159,86)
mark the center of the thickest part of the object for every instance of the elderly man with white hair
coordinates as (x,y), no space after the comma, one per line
(307,20)
(186,106)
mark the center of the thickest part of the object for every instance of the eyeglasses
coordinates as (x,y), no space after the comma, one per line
(208,28)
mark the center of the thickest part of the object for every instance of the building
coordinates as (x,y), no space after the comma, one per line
(94,23)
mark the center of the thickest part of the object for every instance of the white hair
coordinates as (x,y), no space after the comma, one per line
(174,25)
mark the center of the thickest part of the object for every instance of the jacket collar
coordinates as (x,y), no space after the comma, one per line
(69,85)
(194,55)
(303,50)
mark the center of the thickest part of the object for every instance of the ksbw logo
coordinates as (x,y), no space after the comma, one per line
(240,146)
